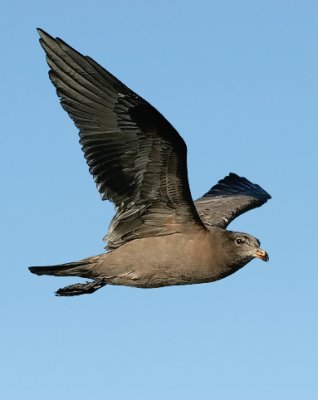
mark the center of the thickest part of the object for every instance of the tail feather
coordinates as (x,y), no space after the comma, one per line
(79,268)
(83,268)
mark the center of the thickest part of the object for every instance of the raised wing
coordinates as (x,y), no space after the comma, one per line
(229,198)
(138,160)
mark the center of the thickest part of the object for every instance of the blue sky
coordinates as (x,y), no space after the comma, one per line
(239,81)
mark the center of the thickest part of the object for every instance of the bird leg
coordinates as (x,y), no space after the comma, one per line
(81,288)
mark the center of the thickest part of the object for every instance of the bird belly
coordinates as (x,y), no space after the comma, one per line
(162,261)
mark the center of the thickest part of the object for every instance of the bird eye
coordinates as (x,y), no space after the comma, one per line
(239,241)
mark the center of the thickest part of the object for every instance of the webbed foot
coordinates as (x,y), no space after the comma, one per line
(81,288)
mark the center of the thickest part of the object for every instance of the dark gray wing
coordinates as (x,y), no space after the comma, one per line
(229,198)
(138,160)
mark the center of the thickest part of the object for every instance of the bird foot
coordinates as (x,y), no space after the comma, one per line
(81,288)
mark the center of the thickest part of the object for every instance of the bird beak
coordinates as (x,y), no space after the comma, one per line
(261,254)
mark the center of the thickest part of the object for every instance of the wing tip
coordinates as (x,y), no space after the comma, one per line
(43,35)
(247,183)
(235,184)
(47,38)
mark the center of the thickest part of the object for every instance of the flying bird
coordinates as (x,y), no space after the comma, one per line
(159,236)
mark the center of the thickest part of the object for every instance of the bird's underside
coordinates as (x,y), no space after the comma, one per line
(139,162)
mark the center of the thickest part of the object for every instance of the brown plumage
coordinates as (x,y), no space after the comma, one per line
(159,236)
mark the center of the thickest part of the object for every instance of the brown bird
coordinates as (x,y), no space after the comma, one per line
(159,236)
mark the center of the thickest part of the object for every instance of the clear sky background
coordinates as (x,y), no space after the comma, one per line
(239,80)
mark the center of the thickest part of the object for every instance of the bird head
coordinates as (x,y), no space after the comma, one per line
(243,248)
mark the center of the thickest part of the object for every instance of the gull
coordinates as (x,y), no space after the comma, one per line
(159,236)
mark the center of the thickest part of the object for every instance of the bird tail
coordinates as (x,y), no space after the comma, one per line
(81,268)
